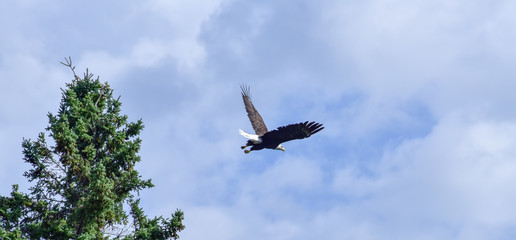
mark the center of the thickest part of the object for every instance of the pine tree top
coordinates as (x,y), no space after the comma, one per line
(84,180)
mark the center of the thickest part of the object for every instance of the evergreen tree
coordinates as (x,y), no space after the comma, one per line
(85,180)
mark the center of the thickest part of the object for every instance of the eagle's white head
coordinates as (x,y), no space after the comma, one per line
(279,147)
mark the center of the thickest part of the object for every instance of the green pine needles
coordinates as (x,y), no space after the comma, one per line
(83,182)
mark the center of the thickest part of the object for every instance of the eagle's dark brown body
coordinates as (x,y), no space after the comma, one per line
(272,139)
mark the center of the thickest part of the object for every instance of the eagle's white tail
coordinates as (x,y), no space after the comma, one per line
(252,137)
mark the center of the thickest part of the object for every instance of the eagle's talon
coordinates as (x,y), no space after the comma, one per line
(242,147)
(247,151)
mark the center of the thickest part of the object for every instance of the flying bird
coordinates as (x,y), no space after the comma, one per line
(272,139)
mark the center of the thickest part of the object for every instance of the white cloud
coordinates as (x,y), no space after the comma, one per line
(292,173)
(176,38)
(102,63)
(184,22)
(404,49)
(423,89)
(213,223)
(188,54)
(453,181)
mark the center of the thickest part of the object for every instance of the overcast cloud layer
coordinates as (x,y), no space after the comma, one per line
(416,96)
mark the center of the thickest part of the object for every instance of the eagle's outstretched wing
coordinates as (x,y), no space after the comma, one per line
(255,118)
(294,131)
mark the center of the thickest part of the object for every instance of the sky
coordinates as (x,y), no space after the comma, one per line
(416,98)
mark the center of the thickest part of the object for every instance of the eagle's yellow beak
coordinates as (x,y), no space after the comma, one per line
(282,149)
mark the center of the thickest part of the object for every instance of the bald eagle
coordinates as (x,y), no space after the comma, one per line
(272,139)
